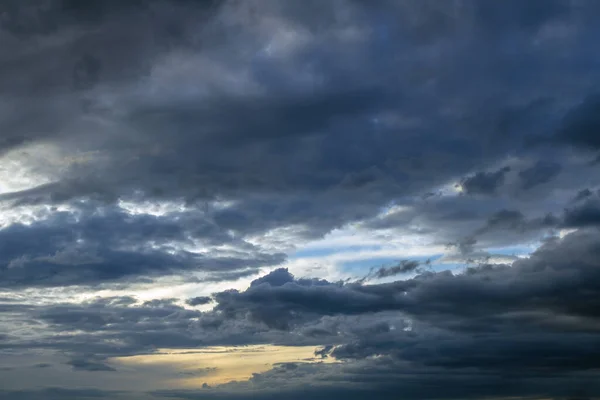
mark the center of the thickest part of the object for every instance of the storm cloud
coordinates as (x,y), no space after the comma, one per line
(405,188)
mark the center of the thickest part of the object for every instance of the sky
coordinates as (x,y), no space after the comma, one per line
(317,199)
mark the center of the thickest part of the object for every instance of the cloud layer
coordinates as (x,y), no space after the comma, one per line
(410,187)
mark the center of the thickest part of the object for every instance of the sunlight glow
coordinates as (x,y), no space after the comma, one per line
(220,365)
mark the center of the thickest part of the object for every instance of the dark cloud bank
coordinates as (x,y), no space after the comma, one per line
(253,117)
(526,329)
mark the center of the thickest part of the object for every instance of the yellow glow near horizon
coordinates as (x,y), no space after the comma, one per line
(220,365)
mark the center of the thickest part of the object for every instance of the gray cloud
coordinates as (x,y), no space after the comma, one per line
(581,123)
(582,194)
(91,247)
(82,364)
(540,173)
(536,318)
(198,301)
(484,182)
(262,117)
(582,215)
(440,291)
(57,393)
(271,132)
(341,131)
(402,267)
(508,219)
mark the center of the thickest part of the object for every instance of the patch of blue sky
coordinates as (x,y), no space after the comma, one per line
(329,251)
(447,266)
(512,250)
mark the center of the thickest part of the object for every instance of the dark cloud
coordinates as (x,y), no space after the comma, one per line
(506,219)
(403,267)
(534,321)
(198,301)
(86,71)
(538,174)
(331,129)
(486,183)
(581,124)
(83,364)
(582,194)
(324,352)
(57,393)
(261,124)
(528,323)
(277,278)
(115,314)
(585,214)
(96,246)
(435,293)
(183,133)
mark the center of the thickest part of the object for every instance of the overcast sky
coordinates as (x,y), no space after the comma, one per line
(299,199)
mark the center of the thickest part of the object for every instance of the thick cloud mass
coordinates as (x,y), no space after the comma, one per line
(107,244)
(534,323)
(409,186)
